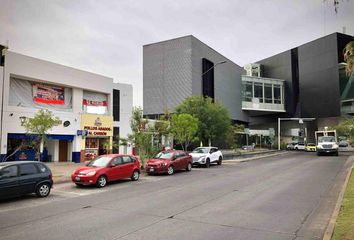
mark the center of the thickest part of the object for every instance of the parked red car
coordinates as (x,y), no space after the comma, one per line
(107,168)
(169,162)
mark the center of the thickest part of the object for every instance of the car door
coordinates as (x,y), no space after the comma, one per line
(114,172)
(127,167)
(176,161)
(184,160)
(9,182)
(28,178)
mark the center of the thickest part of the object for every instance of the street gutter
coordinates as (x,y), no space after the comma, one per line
(256,156)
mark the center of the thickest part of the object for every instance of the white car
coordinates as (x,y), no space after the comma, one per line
(206,156)
(300,146)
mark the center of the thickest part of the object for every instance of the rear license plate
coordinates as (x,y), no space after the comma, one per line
(151,169)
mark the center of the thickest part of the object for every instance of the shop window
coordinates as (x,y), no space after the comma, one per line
(268,93)
(277,94)
(31,94)
(208,78)
(95,103)
(115,148)
(258,91)
(116,104)
(247,91)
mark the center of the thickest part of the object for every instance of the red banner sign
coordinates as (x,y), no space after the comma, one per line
(48,94)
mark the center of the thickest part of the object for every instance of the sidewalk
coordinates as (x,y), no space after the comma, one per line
(62,170)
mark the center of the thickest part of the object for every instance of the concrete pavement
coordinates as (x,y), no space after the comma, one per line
(281,197)
(62,170)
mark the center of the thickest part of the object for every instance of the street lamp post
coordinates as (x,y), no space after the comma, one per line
(222,62)
(219,63)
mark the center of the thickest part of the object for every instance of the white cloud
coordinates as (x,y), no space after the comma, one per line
(106,36)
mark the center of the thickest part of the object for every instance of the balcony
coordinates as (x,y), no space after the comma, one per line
(262,94)
(347,107)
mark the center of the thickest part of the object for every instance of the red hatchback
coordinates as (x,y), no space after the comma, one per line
(107,168)
(168,162)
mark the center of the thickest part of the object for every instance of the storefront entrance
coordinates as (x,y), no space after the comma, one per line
(95,147)
(63,151)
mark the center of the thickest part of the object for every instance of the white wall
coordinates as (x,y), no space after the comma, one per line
(33,69)
(126,106)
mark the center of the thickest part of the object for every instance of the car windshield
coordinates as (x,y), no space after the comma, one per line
(201,150)
(100,161)
(164,155)
(326,139)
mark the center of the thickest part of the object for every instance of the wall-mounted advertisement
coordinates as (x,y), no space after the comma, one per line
(346,91)
(48,94)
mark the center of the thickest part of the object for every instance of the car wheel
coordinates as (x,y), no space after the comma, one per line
(207,164)
(336,154)
(189,167)
(101,181)
(220,160)
(135,176)
(170,170)
(318,154)
(43,190)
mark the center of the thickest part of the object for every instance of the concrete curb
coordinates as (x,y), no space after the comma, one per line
(253,158)
(60,179)
(332,222)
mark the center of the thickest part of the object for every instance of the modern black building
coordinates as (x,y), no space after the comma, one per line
(308,81)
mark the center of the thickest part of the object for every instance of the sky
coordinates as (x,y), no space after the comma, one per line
(107,36)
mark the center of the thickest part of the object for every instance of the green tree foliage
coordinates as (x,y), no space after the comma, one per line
(40,124)
(141,135)
(235,136)
(348,53)
(213,119)
(346,128)
(184,128)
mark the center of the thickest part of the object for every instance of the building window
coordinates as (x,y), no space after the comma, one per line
(247,91)
(277,94)
(208,78)
(94,102)
(115,148)
(116,105)
(258,91)
(268,96)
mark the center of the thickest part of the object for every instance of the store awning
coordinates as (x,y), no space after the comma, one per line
(33,136)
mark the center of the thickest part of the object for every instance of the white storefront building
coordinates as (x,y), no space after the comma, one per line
(83,102)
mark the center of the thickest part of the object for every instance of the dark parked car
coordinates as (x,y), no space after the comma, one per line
(24,177)
(169,162)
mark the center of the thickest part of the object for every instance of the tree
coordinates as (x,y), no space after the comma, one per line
(213,119)
(184,128)
(235,135)
(348,53)
(40,124)
(346,128)
(141,135)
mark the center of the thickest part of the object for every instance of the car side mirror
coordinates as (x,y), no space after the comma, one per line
(113,165)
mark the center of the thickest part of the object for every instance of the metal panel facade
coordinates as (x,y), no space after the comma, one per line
(167,74)
(227,78)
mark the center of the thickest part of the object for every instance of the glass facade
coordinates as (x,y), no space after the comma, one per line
(262,94)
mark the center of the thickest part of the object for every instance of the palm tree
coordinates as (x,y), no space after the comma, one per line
(348,53)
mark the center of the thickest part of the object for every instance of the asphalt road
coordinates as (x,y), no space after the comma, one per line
(283,197)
